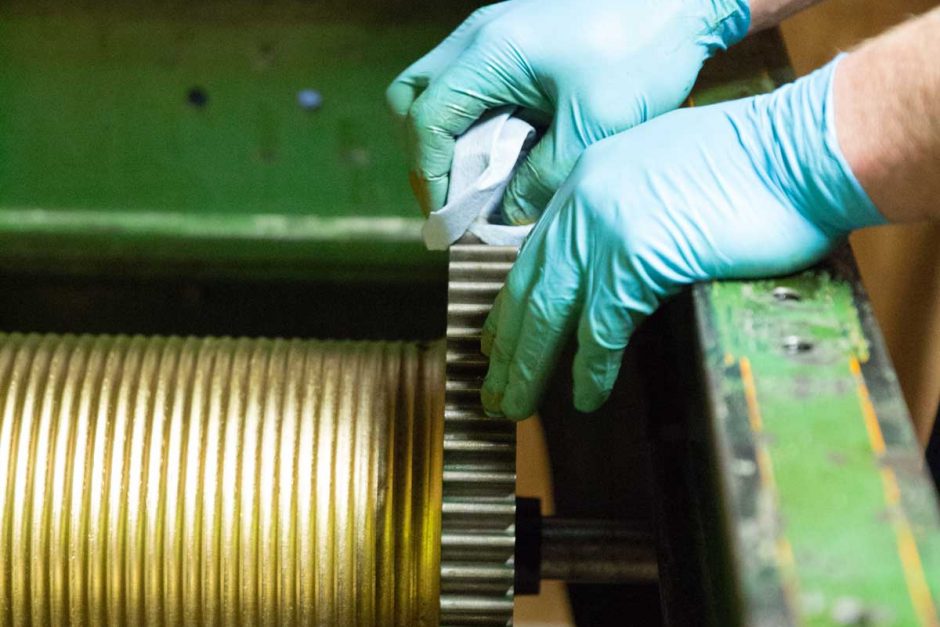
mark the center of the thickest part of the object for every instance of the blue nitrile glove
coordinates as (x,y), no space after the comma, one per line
(590,69)
(743,189)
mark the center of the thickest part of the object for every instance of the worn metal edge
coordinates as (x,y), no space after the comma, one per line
(726,412)
(767,582)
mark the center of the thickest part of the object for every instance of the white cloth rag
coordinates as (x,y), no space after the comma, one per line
(485,159)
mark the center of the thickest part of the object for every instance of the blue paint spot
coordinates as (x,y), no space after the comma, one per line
(309,99)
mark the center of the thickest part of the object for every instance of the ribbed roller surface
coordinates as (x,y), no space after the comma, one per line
(478,534)
(216,481)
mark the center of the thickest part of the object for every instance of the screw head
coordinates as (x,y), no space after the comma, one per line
(795,345)
(783,293)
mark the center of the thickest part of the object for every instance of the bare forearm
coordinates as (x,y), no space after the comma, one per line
(768,13)
(887,95)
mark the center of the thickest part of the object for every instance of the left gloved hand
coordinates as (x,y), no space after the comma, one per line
(590,69)
(743,189)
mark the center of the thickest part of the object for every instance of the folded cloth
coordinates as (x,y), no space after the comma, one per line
(485,159)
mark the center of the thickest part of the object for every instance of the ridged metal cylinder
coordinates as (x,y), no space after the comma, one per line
(219,482)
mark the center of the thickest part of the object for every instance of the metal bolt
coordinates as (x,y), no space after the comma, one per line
(309,99)
(794,344)
(782,293)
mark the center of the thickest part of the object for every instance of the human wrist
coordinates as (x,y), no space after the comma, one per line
(798,130)
(886,93)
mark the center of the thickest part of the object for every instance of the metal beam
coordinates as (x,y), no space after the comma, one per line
(809,497)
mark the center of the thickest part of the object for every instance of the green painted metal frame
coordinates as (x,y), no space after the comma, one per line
(108,163)
(831,514)
(107,166)
(812,503)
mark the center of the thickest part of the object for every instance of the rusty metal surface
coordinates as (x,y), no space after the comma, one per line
(218,481)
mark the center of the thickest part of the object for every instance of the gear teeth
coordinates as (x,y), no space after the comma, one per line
(479,507)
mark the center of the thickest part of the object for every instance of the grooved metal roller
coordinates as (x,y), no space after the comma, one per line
(244,482)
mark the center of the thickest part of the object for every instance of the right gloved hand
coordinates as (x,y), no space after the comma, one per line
(749,188)
(592,69)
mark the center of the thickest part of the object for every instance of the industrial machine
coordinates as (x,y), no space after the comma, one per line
(173,176)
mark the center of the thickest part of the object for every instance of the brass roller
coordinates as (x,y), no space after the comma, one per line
(218,481)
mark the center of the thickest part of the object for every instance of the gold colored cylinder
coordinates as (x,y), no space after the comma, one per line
(167,481)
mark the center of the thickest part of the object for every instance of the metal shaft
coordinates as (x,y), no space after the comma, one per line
(596,551)
(217,481)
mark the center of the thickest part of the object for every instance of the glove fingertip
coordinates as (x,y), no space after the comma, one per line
(491,400)
(589,400)
(399,98)
(517,404)
(534,183)
(591,388)
(493,414)
(437,192)
(516,211)
(431,193)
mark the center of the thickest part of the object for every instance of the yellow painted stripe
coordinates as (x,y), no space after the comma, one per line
(911,563)
(750,394)
(868,409)
(788,570)
(914,573)
(765,468)
(890,483)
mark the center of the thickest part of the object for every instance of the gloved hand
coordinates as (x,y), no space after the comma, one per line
(742,189)
(591,69)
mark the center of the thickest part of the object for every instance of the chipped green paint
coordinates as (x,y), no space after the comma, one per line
(822,517)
